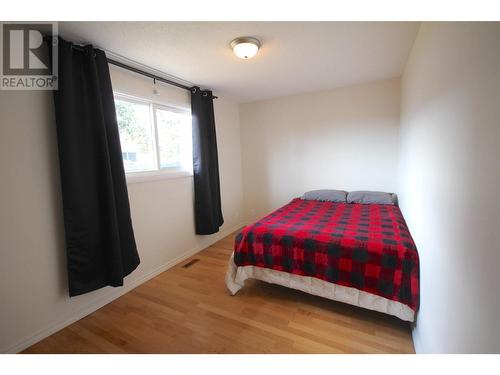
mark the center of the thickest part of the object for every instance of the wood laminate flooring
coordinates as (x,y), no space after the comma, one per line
(189,310)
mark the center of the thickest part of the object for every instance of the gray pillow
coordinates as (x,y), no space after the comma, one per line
(371,197)
(326,195)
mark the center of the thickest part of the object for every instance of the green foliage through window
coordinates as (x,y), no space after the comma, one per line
(152,136)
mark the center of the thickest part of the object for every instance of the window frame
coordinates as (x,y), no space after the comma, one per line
(158,173)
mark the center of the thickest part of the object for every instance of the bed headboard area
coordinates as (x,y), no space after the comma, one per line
(358,196)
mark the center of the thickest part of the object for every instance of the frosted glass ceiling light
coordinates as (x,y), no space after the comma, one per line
(245,47)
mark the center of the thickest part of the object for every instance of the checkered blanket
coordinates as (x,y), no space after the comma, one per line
(363,246)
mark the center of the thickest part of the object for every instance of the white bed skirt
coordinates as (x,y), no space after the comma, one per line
(236,276)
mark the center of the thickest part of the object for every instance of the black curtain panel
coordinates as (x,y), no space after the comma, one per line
(100,241)
(207,201)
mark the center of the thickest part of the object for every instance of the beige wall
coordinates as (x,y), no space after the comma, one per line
(449,183)
(343,139)
(33,291)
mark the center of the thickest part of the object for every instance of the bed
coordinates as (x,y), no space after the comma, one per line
(361,254)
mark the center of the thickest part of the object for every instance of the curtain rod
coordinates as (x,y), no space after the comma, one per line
(150,75)
(144,73)
(155,77)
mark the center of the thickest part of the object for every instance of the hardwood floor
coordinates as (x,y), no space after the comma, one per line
(189,310)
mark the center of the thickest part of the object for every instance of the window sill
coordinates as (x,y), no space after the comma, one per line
(137,177)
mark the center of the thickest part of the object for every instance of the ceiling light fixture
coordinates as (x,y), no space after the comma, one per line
(245,47)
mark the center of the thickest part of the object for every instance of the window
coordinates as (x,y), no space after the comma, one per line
(153,137)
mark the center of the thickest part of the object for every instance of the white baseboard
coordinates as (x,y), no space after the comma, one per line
(114,294)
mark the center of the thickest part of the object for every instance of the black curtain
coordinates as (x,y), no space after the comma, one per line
(207,202)
(100,241)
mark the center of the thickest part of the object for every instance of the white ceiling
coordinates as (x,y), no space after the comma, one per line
(295,57)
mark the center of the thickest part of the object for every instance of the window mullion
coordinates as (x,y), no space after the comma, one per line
(156,143)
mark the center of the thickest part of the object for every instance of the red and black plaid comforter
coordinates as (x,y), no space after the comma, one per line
(364,246)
